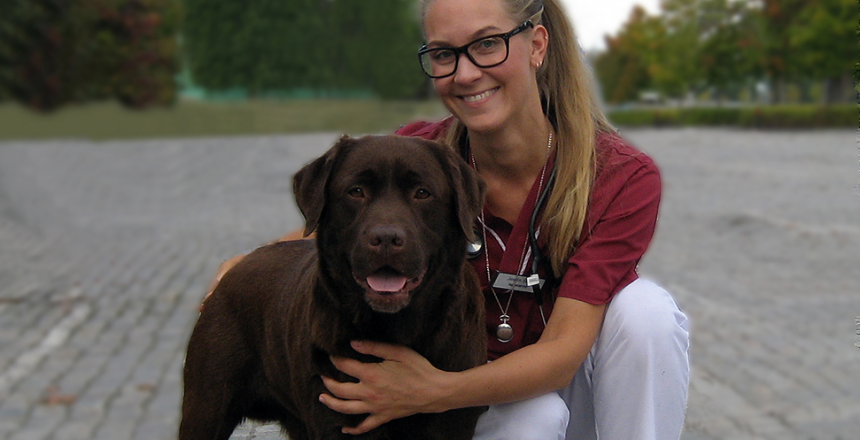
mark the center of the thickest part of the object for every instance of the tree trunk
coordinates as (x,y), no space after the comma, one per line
(839,89)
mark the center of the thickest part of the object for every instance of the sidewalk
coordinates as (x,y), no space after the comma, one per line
(106,250)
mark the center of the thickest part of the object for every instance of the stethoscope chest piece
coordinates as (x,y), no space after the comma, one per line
(474,248)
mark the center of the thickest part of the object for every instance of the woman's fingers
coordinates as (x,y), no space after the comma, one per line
(402,384)
(343,390)
(381,350)
(372,421)
(344,406)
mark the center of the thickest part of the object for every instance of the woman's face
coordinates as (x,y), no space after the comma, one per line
(486,99)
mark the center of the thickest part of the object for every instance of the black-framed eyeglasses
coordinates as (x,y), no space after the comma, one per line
(489,51)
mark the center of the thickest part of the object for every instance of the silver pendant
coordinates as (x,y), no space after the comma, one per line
(504,332)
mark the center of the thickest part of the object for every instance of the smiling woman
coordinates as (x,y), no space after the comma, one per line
(525,117)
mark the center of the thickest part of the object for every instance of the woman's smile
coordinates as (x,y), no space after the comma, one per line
(480,96)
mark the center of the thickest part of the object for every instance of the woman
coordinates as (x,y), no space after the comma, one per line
(594,343)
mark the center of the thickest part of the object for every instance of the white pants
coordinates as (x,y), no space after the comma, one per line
(632,386)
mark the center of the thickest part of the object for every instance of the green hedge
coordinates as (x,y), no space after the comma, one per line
(781,116)
(261,46)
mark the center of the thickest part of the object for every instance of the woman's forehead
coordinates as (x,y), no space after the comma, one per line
(461,21)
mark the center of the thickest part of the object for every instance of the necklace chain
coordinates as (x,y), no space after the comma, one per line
(504,317)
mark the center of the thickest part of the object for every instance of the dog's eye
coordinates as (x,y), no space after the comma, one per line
(356,192)
(422,193)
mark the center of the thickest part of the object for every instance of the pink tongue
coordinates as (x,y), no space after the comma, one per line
(386,283)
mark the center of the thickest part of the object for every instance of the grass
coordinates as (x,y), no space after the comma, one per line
(103,121)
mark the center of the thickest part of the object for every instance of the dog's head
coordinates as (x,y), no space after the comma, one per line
(390,213)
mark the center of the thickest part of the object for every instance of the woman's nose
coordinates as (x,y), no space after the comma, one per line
(467,71)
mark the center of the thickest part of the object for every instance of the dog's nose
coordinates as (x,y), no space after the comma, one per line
(386,237)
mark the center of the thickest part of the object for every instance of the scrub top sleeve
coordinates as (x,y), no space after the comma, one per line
(626,201)
(426,130)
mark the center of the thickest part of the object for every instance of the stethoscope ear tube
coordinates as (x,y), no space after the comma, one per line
(475,248)
(533,242)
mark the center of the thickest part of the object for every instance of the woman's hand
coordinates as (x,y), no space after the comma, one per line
(403,384)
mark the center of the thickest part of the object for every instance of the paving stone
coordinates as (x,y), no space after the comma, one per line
(106,250)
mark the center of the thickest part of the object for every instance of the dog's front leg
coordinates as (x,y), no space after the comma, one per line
(207,404)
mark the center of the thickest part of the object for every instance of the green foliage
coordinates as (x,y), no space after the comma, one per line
(720,45)
(37,52)
(54,52)
(330,45)
(623,69)
(733,49)
(782,116)
(821,36)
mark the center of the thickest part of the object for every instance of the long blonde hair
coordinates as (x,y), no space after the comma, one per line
(569,102)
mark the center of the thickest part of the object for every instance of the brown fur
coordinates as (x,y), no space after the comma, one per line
(266,333)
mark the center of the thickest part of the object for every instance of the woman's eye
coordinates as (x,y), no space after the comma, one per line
(487,45)
(421,194)
(356,192)
(443,56)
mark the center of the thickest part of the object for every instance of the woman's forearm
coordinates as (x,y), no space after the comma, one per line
(530,371)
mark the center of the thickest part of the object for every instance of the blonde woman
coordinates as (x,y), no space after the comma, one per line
(581,348)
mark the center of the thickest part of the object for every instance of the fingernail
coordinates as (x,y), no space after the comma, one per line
(356,343)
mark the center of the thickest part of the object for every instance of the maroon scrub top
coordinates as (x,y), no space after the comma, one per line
(620,222)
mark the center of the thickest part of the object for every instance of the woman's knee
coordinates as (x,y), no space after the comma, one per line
(539,418)
(644,316)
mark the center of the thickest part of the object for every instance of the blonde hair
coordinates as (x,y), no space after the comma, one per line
(569,102)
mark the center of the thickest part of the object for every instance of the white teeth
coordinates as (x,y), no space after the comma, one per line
(475,98)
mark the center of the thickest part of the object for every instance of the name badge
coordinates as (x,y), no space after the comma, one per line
(507,281)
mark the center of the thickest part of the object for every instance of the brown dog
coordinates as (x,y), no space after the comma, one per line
(392,216)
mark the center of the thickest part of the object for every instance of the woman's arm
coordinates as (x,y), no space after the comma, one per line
(405,383)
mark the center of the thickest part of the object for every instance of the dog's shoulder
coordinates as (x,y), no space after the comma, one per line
(269,268)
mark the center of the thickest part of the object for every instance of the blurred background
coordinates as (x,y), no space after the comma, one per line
(163,68)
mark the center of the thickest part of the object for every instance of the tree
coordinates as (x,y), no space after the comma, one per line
(777,16)
(623,70)
(676,69)
(820,36)
(53,52)
(730,51)
(38,41)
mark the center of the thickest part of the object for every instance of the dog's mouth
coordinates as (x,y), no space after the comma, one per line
(387,290)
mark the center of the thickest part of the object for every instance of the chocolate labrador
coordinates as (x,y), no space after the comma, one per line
(393,216)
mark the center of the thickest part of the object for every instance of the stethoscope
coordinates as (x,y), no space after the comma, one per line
(475,248)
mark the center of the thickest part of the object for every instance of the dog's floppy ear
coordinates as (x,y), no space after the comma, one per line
(469,192)
(310,182)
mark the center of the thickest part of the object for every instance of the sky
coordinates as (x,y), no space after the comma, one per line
(592,19)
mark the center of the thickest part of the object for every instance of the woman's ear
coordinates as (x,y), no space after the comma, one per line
(540,43)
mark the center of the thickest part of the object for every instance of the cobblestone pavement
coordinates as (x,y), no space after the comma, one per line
(106,250)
